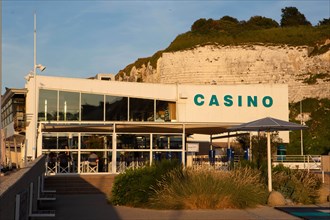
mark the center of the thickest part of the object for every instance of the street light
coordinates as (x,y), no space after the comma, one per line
(301,132)
(41,68)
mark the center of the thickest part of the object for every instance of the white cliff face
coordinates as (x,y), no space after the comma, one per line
(244,65)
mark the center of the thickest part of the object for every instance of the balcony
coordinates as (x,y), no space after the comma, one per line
(19,122)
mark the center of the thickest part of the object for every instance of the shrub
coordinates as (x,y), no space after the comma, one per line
(247,163)
(300,186)
(209,189)
(132,188)
(317,137)
(259,22)
(281,168)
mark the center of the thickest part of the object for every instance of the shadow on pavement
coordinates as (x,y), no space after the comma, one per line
(84,207)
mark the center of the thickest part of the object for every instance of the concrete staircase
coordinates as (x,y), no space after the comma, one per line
(80,184)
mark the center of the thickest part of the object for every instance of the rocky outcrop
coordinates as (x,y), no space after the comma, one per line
(306,75)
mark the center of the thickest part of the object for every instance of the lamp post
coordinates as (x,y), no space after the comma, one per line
(301,132)
(41,68)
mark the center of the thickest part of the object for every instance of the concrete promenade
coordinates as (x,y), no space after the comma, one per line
(95,207)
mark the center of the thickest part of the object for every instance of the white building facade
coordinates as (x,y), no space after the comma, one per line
(133,124)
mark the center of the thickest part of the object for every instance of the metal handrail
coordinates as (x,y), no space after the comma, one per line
(296,158)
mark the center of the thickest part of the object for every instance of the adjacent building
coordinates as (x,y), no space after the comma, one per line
(13,118)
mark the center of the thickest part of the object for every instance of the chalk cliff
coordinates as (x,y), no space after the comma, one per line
(307,75)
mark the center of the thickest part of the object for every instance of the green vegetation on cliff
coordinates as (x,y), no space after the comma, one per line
(294,30)
(296,36)
(316,138)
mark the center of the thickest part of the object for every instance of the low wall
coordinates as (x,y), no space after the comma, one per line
(15,183)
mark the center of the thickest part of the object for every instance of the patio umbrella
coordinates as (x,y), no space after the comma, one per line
(268,125)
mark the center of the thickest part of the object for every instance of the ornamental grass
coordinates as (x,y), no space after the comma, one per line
(209,189)
(300,186)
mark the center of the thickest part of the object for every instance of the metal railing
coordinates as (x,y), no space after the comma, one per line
(309,162)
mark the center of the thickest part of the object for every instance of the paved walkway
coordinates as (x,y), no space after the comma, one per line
(95,207)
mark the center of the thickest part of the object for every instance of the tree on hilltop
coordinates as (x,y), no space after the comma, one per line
(292,17)
(229,19)
(259,22)
(325,21)
(203,26)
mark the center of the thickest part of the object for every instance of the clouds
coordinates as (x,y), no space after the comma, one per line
(83,38)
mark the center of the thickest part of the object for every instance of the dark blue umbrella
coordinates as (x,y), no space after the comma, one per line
(268,125)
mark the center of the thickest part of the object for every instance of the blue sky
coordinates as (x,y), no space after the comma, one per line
(80,38)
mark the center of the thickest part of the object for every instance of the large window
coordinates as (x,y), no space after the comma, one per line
(74,106)
(96,141)
(116,108)
(6,112)
(92,107)
(141,109)
(100,145)
(49,141)
(62,141)
(165,111)
(68,106)
(133,141)
(167,142)
(47,105)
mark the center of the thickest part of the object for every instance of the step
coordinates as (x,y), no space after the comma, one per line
(80,184)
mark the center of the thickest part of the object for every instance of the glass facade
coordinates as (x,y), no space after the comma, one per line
(13,111)
(68,106)
(74,106)
(167,142)
(87,152)
(165,111)
(92,107)
(141,109)
(47,105)
(71,152)
(133,141)
(116,108)
(59,141)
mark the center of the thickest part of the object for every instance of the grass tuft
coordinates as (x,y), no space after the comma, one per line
(209,189)
(300,186)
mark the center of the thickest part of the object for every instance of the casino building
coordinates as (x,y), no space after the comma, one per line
(130,124)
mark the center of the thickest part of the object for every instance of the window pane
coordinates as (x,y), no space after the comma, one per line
(101,161)
(131,160)
(165,111)
(141,109)
(47,105)
(116,108)
(49,142)
(158,156)
(132,141)
(92,107)
(68,106)
(96,141)
(167,142)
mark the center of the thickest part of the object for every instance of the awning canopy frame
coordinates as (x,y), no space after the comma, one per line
(206,128)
